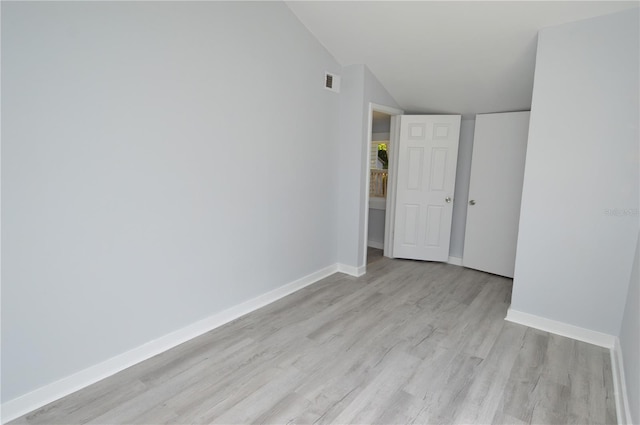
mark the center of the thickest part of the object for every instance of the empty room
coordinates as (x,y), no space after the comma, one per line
(316,212)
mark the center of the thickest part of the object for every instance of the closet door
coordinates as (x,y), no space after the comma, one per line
(495,192)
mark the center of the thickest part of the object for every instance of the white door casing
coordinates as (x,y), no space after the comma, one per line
(495,192)
(427,158)
(394,141)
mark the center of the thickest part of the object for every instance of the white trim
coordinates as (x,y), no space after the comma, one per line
(561,328)
(375,244)
(367,176)
(456,261)
(352,270)
(390,215)
(26,403)
(620,384)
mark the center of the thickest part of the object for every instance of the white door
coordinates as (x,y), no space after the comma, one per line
(427,158)
(495,192)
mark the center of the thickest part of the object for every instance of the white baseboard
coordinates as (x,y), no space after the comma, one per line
(26,403)
(456,261)
(620,385)
(561,328)
(352,270)
(375,244)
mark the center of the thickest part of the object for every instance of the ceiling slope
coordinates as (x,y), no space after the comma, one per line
(445,57)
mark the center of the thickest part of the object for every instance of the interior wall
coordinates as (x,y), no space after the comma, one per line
(359,87)
(381,125)
(579,216)
(375,235)
(351,115)
(379,137)
(161,162)
(461,196)
(630,338)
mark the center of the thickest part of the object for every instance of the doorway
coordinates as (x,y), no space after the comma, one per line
(378,157)
(378,178)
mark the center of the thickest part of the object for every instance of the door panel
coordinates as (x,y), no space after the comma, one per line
(427,158)
(438,168)
(414,168)
(434,218)
(411,214)
(497,172)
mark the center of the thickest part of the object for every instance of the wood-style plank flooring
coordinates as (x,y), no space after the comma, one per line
(408,343)
(373,254)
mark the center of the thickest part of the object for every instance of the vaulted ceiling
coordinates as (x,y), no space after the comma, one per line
(445,57)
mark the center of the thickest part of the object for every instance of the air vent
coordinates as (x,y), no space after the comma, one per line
(332,82)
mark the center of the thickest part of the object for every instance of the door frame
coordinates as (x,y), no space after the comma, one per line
(389,110)
(390,209)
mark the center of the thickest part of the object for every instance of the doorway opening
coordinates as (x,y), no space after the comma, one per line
(379,180)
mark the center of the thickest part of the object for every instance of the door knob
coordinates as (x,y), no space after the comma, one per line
(472,202)
(447,199)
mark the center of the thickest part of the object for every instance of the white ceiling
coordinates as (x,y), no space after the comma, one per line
(448,56)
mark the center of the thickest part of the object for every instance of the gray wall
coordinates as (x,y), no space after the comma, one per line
(376,226)
(461,197)
(159,164)
(579,217)
(630,338)
(381,124)
(359,87)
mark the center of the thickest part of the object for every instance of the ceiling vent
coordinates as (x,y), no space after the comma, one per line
(332,82)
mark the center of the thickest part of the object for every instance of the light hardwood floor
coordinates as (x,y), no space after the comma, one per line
(373,254)
(408,343)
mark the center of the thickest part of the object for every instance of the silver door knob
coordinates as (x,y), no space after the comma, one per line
(447,199)
(472,202)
